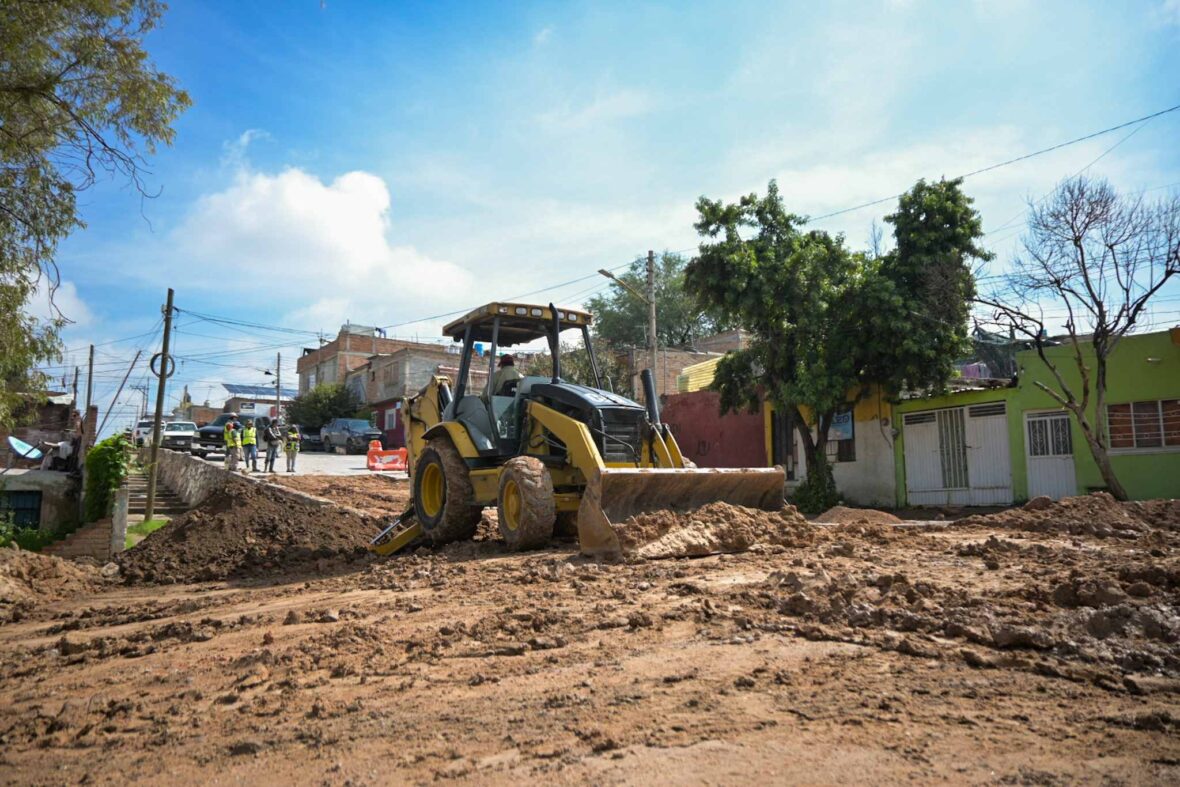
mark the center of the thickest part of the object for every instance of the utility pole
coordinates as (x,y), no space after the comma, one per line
(165,372)
(651,313)
(76,397)
(111,409)
(89,438)
(278,386)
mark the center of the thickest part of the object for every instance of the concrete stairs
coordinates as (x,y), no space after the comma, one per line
(94,540)
(167,502)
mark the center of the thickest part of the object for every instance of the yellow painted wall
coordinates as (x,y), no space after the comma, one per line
(697,377)
(872,408)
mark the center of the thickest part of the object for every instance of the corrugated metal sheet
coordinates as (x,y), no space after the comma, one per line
(697,377)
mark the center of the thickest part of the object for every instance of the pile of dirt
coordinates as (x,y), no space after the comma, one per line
(840,515)
(374,494)
(1097,514)
(247,530)
(29,577)
(711,529)
(1163,514)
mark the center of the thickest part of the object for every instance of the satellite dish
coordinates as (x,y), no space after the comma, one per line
(24,450)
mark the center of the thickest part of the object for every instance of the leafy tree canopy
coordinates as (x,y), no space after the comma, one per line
(823,318)
(321,404)
(575,366)
(621,318)
(79,98)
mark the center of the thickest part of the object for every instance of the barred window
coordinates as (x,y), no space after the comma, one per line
(1150,424)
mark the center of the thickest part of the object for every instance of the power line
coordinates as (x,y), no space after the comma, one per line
(1010,161)
(511,298)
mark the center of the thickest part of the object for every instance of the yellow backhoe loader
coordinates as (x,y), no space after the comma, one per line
(550,454)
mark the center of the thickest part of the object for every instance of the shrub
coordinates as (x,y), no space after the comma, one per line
(31,539)
(818,491)
(106,467)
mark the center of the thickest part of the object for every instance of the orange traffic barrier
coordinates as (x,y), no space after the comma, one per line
(386,460)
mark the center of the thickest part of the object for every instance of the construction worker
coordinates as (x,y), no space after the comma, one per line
(273,437)
(506,373)
(250,446)
(233,443)
(291,447)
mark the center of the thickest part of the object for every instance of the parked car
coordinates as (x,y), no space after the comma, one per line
(351,434)
(211,437)
(178,435)
(309,439)
(142,431)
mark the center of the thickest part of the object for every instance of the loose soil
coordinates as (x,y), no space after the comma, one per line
(974,651)
(374,494)
(1097,514)
(29,578)
(247,530)
(712,529)
(843,514)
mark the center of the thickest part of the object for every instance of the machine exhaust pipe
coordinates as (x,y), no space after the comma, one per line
(648,381)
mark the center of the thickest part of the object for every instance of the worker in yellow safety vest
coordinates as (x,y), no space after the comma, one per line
(291,447)
(250,446)
(233,443)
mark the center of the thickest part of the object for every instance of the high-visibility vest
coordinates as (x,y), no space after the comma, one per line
(230,436)
(249,436)
(292,441)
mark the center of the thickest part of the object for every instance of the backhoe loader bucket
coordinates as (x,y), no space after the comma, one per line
(616,494)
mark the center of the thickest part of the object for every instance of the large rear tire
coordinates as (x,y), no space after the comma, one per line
(526,508)
(443,497)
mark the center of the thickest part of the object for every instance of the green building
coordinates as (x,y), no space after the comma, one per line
(995,446)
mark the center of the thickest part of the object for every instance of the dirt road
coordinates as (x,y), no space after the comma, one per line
(972,653)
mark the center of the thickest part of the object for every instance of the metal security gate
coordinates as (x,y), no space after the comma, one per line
(958,456)
(1048,444)
(989,460)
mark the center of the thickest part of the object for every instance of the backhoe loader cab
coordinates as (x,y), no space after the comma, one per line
(546,452)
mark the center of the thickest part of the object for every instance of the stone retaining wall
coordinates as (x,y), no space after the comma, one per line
(191,478)
(194,480)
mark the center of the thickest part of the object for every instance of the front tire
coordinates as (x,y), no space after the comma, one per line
(443,496)
(526,508)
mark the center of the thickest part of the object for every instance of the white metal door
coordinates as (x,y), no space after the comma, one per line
(989,461)
(1048,444)
(935,473)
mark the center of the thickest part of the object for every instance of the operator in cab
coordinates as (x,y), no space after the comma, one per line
(506,373)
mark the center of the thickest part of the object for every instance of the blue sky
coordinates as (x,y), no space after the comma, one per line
(383,162)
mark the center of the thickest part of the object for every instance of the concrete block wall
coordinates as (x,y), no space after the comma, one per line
(93,540)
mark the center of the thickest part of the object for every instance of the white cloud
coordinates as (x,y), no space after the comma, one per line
(323,246)
(1168,13)
(66,303)
(618,105)
(542,36)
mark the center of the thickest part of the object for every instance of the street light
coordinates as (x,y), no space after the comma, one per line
(649,299)
(625,285)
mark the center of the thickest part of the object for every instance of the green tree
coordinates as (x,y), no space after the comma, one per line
(936,233)
(823,319)
(621,318)
(321,404)
(575,366)
(79,99)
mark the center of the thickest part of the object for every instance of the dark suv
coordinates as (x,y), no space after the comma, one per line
(351,434)
(211,437)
